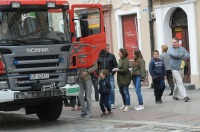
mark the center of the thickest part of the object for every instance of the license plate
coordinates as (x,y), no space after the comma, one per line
(73,90)
(39,76)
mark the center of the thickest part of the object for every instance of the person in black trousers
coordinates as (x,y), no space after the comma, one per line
(73,102)
(104,90)
(166,59)
(158,73)
(94,77)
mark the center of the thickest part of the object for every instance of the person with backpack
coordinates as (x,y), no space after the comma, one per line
(104,90)
(138,75)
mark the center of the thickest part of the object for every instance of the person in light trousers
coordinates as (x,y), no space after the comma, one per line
(178,55)
(85,94)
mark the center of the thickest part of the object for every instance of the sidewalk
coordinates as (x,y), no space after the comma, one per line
(170,111)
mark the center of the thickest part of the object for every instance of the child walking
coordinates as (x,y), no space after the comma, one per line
(104,90)
(158,73)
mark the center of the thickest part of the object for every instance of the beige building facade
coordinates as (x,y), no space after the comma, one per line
(179,18)
(126,25)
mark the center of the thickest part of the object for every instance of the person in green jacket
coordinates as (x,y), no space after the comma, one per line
(138,75)
(124,78)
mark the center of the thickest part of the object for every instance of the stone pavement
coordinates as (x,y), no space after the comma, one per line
(169,112)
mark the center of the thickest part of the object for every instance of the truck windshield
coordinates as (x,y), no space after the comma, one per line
(33,27)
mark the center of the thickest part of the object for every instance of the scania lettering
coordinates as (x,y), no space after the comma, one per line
(37,50)
(42,43)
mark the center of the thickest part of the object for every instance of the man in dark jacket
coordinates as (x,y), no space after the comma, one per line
(108,61)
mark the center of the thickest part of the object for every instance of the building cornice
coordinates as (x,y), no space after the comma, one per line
(107,7)
(126,2)
(95,1)
(175,4)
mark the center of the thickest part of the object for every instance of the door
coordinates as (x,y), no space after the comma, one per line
(181,33)
(179,25)
(88,35)
(130,36)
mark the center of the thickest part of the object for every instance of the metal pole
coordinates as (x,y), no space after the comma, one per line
(151,31)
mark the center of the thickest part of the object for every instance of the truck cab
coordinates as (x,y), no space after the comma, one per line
(38,48)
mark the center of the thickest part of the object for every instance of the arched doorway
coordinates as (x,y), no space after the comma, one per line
(179,26)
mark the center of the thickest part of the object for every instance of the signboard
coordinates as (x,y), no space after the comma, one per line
(130,34)
(179,35)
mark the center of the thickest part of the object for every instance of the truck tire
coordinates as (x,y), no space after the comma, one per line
(50,110)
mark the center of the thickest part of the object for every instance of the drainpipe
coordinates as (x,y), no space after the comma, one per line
(151,31)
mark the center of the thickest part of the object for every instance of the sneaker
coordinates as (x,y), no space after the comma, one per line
(170,94)
(121,108)
(140,107)
(127,108)
(158,102)
(103,114)
(175,98)
(186,99)
(110,113)
(87,116)
(135,107)
(82,114)
(112,106)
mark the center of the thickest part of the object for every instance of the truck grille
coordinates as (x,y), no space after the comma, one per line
(21,65)
(53,61)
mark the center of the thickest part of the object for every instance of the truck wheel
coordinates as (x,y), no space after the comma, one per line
(50,110)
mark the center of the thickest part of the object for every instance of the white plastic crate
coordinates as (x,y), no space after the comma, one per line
(72,89)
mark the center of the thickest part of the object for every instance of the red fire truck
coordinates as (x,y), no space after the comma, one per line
(41,42)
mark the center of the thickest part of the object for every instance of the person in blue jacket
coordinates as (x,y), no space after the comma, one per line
(158,73)
(104,90)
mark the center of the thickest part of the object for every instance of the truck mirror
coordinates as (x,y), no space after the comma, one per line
(84,28)
(84,15)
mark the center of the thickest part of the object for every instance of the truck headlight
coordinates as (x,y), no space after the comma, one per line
(15,5)
(51,4)
(3,85)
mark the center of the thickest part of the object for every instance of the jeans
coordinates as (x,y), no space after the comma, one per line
(112,91)
(137,84)
(124,91)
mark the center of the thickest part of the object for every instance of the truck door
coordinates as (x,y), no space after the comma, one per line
(88,35)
